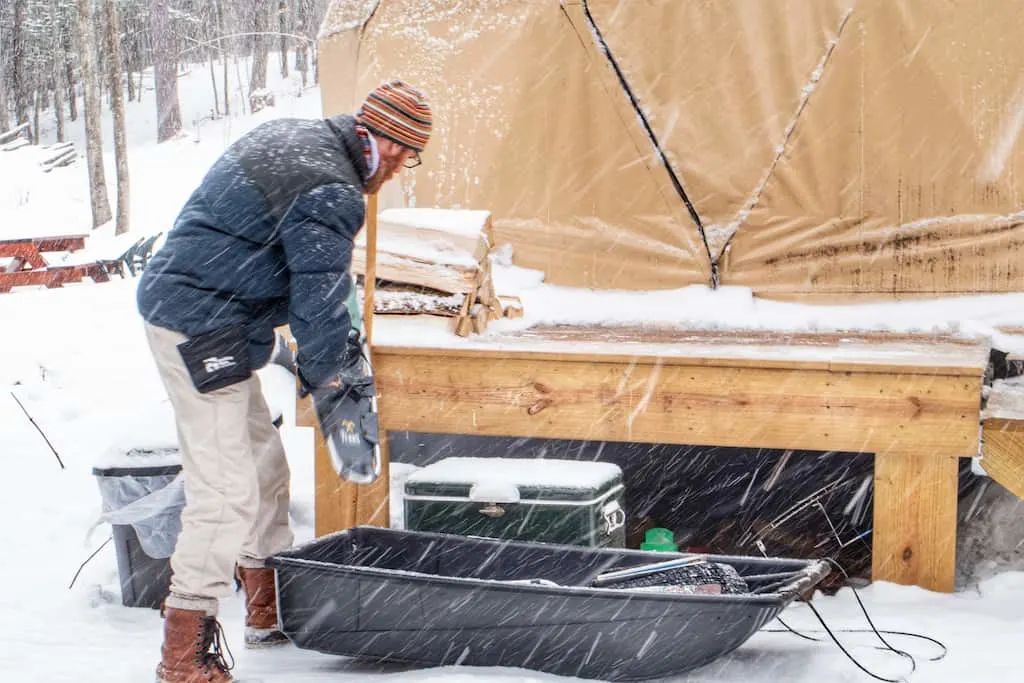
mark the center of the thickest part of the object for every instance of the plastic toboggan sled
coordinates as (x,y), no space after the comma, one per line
(438,599)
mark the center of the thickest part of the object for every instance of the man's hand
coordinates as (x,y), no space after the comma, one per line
(344,407)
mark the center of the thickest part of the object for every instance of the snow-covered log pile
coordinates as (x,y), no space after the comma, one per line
(436,262)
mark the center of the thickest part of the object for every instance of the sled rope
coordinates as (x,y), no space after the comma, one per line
(831,633)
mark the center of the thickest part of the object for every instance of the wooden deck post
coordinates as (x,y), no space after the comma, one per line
(915,520)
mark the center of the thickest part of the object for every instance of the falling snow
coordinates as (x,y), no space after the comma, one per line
(75,366)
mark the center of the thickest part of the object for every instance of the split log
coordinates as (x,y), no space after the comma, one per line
(463,326)
(394,299)
(58,146)
(457,230)
(406,268)
(58,153)
(435,262)
(16,144)
(511,307)
(65,158)
(15,132)
(481,315)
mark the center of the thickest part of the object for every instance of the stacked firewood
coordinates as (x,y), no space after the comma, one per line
(436,262)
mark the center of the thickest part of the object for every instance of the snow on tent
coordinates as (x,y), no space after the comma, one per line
(806,149)
(832,152)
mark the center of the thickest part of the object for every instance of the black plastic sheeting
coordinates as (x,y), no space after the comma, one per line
(733,501)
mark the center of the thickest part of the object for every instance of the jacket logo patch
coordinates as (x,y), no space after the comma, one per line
(349,438)
(215,363)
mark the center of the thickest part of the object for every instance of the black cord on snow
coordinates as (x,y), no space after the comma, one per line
(831,633)
(38,429)
(87,560)
(847,653)
(906,634)
(863,609)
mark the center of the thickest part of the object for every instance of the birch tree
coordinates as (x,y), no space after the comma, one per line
(219,6)
(260,20)
(19,74)
(69,66)
(114,71)
(93,133)
(165,70)
(5,117)
(57,59)
(282,29)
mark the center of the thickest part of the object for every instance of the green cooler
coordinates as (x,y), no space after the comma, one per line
(569,502)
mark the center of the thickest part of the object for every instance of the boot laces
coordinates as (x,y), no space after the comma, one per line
(213,637)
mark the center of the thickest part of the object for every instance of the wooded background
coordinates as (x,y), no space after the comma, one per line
(75,57)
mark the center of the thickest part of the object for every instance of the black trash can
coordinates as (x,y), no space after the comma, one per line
(145,540)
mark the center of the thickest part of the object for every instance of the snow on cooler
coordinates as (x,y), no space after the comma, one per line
(501,480)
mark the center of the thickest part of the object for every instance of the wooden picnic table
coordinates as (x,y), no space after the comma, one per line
(29,250)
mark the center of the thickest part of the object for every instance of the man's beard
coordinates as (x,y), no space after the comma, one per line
(385,171)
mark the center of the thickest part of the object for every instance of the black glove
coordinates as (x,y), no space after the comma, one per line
(346,407)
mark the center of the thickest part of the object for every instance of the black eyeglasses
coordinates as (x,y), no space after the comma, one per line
(413,161)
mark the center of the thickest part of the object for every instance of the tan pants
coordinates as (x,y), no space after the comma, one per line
(236,480)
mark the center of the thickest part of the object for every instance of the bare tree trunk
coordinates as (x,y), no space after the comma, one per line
(69,67)
(260,24)
(227,91)
(282,26)
(213,82)
(58,60)
(165,71)
(5,118)
(223,43)
(58,107)
(238,77)
(114,60)
(19,81)
(35,116)
(93,132)
(302,28)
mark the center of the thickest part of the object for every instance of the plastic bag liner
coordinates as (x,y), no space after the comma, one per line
(150,499)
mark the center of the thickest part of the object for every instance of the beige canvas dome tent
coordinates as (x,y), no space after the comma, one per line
(808,149)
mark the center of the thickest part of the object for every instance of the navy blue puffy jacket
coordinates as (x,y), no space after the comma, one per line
(266,239)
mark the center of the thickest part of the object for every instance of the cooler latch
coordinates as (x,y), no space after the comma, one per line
(614,516)
(491,494)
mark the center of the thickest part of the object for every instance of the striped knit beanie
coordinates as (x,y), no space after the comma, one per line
(398,112)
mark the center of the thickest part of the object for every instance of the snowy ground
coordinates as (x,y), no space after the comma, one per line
(76,359)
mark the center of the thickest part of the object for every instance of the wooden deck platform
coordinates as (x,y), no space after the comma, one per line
(1002,436)
(912,401)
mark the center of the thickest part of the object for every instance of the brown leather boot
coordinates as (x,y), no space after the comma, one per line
(192,651)
(260,608)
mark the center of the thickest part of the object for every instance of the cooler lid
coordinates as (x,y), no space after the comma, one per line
(510,480)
